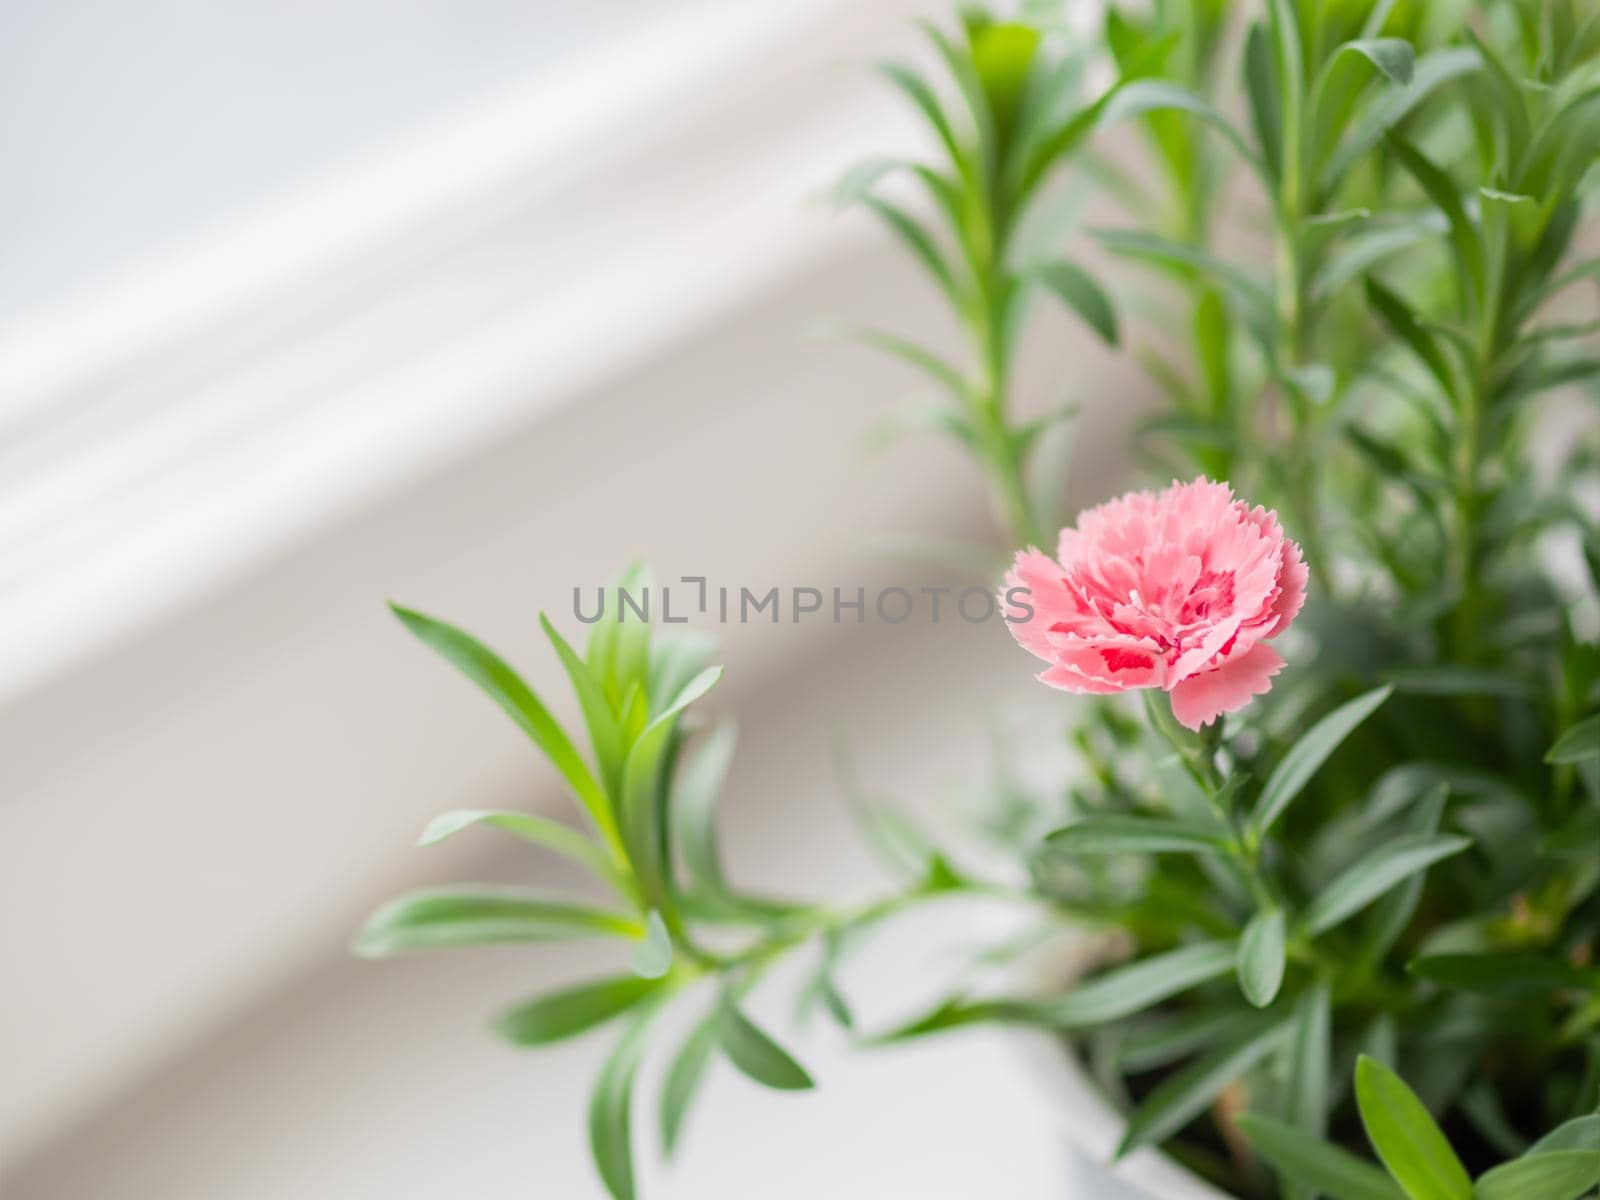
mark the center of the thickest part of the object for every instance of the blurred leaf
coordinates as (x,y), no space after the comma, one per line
(696,792)
(652,956)
(915,89)
(641,826)
(1077,288)
(1154,95)
(552,835)
(756,1054)
(856,184)
(486,669)
(604,733)
(1306,756)
(1578,743)
(1552,1175)
(1116,834)
(683,1079)
(924,360)
(1580,1133)
(921,244)
(1502,972)
(575,1010)
(1374,874)
(1432,70)
(1310,1048)
(1404,324)
(1182,1096)
(445,917)
(1134,243)
(675,659)
(1309,1160)
(611,1113)
(1406,1138)
(1136,986)
(1261,957)
(1393,57)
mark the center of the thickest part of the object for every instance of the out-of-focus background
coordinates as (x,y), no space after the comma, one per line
(466,303)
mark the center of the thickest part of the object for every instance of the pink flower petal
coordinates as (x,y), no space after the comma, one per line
(1203,698)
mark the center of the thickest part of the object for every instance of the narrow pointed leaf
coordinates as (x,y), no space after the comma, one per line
(543,831)
(1078,290)
(756,1054)
(1576,744)
(1386,867)
(1132,988)
(1406,1138)
(1261,957)
(1554,1175)
(611,1113)
(571,1011)
(506,688)
(1181,1097)
(446,917)
(1302,1158)
(1118,834)
(684,1077)
(1304,758)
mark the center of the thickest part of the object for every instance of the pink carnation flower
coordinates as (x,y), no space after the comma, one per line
(1179,590)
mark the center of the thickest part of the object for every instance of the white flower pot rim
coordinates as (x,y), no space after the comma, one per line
(1095,1127)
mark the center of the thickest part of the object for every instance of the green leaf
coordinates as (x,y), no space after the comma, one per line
(552,835)
(641,782)
(439,918)
(1408,1142)
(915,89)
(1432,71)
(1181,1097)
(1076,288)
(923,359)
(652,957)
(1156,95)
(1266,111)
(486,669)
(1128,989)
(683,1079)
(571,1011)
(605,735)
(921,244)
(1442,190)
(756,1054)
(1576,744)
(1261,957)
(611,1113)
(675,659)
(1309,1052)
(1394,57)
(1134,243)
(1374,874)
(1553,1175)
(1308,1160)
(618,652)
(1307,755)
(1117,834)
(856,184)
(1580,1133)
(1502,972)
(1406,326)
(695,794)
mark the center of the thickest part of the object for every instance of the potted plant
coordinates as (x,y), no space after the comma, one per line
(1336,716)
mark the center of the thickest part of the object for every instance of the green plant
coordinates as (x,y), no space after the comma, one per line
(1366,909)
